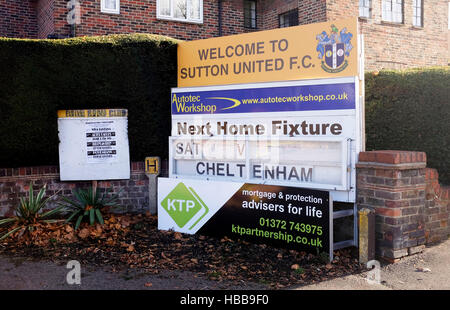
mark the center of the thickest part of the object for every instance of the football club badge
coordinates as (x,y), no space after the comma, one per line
(333,49)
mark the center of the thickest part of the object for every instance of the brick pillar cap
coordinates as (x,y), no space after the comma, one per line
(393,157)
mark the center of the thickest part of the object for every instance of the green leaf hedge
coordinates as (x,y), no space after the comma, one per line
(39,77)
(410,110)
(405,110)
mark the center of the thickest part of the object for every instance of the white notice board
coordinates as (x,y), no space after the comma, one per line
(93,144)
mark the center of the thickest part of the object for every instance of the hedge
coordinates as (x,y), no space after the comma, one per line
(410,110)
(39,77)
(406,110)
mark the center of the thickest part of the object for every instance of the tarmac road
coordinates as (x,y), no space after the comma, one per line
(26,274)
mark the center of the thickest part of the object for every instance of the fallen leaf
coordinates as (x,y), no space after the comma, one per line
(420,269)
(125,222)
(177,236)
(84,233)
(148,284)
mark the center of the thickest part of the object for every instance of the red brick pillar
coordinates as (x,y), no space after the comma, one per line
(437,208)
(393,184)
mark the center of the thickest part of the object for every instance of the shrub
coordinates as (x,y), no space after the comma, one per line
(29,215)
(410,110)
(88,204)
(407,110)
(39,77)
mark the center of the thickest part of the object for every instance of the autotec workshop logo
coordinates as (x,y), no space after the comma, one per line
(184,206)
(333,48)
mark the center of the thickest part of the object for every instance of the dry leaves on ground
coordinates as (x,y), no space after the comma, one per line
(133,241)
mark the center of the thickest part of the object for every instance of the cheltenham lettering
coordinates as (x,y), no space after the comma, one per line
(266,172)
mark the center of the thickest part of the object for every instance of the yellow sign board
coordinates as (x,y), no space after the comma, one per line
(93,113)
(321,50)
(152,165)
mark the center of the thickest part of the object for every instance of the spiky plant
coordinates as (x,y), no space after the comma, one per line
(29,214)
(88,204)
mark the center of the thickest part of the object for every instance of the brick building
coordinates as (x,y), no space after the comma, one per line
(398,33)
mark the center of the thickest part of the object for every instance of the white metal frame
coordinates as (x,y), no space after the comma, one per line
(103,8)
(361,115)
(344,164)
(363,9)
(355,144)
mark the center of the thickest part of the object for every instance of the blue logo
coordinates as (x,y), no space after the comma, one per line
(333,48)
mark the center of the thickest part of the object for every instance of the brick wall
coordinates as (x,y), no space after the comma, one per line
(309,11)
(399,46)
(270,10)
(312,11)
(18,19)
(232,17)
(412,209)
(437,208)
(397,185)
(45,22)
(14,183)
(387,45)
(137,16)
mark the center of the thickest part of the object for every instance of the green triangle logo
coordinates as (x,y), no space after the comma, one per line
(183,204)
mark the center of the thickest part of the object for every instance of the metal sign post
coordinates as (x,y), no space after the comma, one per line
(152,170)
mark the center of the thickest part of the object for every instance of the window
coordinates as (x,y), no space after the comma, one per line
(250,14)
(418,13)
(393,11)
(365,8)
(180,10)
(110,6)
(288,19)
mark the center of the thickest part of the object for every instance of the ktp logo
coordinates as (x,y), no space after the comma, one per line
(184,206)
(333,48)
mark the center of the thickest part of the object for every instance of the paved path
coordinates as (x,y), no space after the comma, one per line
(429,270)
(25,274)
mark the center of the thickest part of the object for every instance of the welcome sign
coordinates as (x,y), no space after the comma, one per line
(321,50)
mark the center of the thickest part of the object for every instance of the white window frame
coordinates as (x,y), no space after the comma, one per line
(103,8)
(365,6)
(391,18)
(171,16)
(417,4)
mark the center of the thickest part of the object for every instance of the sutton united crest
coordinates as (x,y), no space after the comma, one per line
(334,48)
